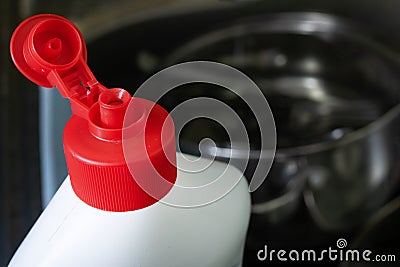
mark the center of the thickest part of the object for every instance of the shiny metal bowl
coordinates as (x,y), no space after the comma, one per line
(335,97)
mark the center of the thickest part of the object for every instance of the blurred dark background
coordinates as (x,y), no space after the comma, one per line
(152,35)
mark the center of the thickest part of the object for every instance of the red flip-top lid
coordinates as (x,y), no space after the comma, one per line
(50,51)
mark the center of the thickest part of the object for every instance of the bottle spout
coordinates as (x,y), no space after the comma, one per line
(113,105)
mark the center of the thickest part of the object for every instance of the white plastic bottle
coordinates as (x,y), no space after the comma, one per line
(129,199)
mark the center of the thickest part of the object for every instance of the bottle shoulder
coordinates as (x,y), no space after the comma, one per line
(202,182)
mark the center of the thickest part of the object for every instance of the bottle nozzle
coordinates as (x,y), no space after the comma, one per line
(113,104)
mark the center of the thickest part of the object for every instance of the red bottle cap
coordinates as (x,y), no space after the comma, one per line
(50,51)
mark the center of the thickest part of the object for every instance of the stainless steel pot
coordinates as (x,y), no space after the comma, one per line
(334,94)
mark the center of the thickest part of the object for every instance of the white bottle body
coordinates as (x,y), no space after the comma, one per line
(71,233)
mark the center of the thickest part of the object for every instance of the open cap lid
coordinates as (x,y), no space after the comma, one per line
(50,51)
